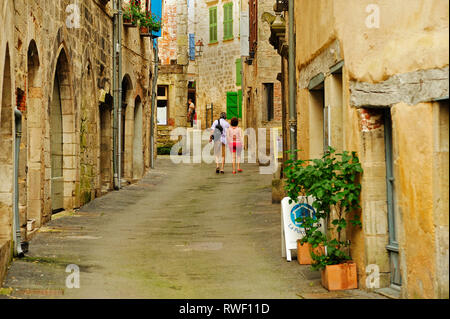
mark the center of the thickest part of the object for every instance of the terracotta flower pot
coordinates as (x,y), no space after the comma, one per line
(340,277)
(144,30)
(304,253)
(129,23)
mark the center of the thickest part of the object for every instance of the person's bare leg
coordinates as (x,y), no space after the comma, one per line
(223,157)
(217,153)
(239,161)
(234,162)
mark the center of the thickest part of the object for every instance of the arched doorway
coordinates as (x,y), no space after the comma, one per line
(6,154)
(105,145)
(125,129)
(89,145)
(34,139)
(138,155)
(62,138)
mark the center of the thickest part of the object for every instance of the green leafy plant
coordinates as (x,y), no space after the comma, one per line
(333,183)
(147,20)
(132,12)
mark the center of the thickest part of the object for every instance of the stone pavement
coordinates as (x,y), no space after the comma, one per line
(181,232)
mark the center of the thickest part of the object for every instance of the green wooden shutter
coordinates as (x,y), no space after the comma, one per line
(238,73)
(228,21)
(232,105)
(212,24)
(240,103)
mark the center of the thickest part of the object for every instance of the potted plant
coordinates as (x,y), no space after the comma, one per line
(131,14)
(299,179)
(333,182)
(311,243)
(148,23)
(157,25)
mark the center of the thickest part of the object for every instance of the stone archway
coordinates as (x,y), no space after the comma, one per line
(34,140)
(126,129)
(6,154)
(138,149)
(89,144)
(62,137)
(105,138)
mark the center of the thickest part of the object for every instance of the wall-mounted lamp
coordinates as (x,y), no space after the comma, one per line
(199,48)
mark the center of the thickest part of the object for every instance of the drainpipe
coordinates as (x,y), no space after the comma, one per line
(16,233)
(153,110)
(292,86)
(119,84)
(114,80)
(117,91)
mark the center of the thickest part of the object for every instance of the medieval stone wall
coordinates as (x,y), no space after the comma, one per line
(264,69)
(217,67)
(173,50)
(62,51)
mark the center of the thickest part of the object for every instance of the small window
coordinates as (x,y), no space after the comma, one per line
(162,91)
(162,105)
(268,101)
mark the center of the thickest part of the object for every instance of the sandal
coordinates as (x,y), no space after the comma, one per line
(234,172)
(222,172)
(240,171)
(217,170)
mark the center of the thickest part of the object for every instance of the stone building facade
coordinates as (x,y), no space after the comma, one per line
(217,71)
(262,99)
(172,94)
(373,78)
(56,68)
(213,78)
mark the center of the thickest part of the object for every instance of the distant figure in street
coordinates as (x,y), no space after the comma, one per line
(191,112)
(219,129)
(235,141)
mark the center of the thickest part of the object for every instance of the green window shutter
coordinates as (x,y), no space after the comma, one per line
(240,104)
(212,24)
(238,73)
(228,21)
(232,105)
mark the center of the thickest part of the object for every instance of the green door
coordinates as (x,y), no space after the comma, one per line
(232,105)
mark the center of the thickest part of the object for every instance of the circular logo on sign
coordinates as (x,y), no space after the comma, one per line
(300,211)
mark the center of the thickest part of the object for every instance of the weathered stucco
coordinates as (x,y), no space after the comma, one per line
(402,65)
(44,42)
(407,40)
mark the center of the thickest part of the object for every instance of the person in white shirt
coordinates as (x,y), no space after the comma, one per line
(219,129)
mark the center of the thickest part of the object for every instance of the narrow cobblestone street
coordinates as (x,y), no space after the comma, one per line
(182,232)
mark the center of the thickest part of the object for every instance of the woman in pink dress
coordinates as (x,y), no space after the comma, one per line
(235,142)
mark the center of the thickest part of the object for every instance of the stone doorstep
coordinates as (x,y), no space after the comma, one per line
(389,293)
(327,295)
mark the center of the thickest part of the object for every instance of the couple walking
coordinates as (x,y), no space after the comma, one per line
(225,135)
